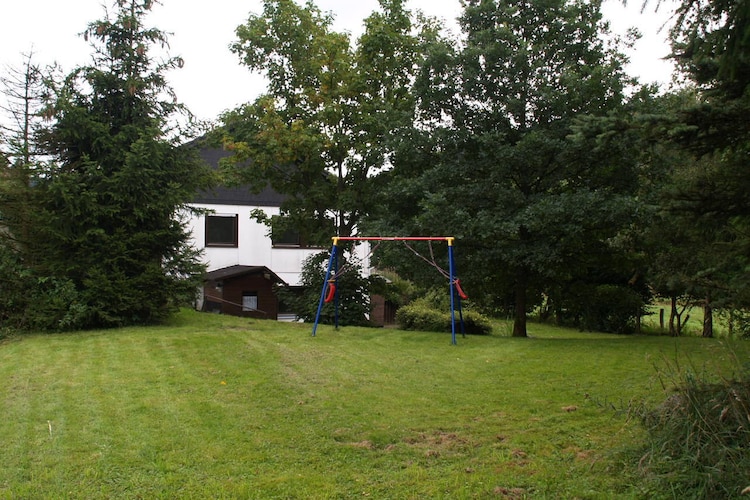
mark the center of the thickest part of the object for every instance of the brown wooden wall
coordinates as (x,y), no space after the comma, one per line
(231,296)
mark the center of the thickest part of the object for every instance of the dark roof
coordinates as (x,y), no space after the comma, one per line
(238,271)
(242,195)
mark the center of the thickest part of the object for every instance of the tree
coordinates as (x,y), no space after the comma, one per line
(325,127)
(710,44)
(25,90)
(111,201)
(535,195)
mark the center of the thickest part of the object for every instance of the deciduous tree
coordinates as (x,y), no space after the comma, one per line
(534,201)
(324,128)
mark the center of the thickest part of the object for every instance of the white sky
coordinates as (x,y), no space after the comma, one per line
(212,79)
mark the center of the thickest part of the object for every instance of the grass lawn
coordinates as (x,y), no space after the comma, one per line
(221,407)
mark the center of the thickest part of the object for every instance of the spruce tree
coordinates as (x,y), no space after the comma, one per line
(110,231)
(711,46)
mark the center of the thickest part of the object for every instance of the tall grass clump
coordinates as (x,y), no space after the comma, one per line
(698,438)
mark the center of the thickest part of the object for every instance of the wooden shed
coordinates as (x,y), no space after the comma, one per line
(242,291)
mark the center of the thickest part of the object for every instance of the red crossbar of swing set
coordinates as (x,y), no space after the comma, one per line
(449,239)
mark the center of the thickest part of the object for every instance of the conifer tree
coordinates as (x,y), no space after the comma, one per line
(111,233)
(24,89)
(711,45)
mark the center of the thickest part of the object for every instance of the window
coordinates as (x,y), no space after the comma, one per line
(221,230)
(289,238)
(249,301)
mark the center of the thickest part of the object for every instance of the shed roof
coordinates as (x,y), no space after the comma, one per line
(238,271)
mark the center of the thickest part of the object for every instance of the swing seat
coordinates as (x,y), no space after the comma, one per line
(460,291)
(331,292)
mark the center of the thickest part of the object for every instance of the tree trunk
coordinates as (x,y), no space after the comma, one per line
(661,319)
(708,318)
(519,322)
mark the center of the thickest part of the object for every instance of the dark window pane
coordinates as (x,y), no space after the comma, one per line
(221,230)
(288,238)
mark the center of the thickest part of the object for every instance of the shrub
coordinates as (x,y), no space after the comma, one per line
(477,324)
(353,289)
(418,316)
(28,302)
(739,323)
(15,283)
(421,315)
(699,439)
(603,308)
(57,306)
(393,287)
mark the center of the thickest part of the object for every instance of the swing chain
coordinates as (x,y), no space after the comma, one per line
(431,262)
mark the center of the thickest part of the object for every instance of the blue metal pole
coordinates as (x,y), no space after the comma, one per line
(336,295)
(325,283)
(452,290)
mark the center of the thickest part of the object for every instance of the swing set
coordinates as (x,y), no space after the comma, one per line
(329,292)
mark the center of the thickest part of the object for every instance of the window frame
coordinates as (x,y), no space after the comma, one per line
(209,239)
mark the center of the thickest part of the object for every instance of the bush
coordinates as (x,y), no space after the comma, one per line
(56,306)
(739,323)
(28,302)
(15,283)
(393,287)
(699,439)
(421,315)
(418,316)
(602,308)
(477,324)
(353,289)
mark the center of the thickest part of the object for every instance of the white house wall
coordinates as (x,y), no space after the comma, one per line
(254,245)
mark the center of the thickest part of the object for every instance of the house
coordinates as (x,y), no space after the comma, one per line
(244,263)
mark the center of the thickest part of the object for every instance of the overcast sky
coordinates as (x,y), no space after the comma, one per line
(212,79)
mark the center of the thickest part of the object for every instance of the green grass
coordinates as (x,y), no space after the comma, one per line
(221,407)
